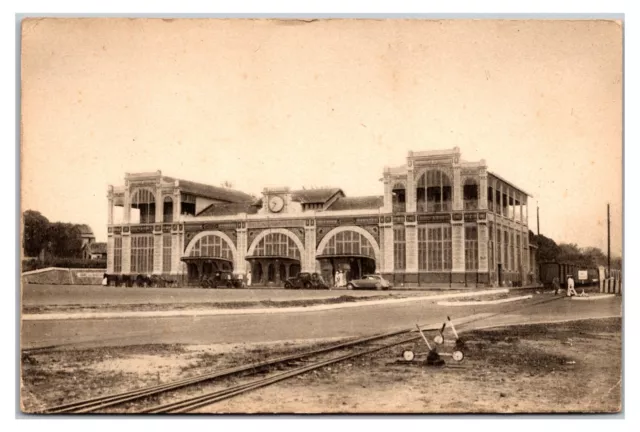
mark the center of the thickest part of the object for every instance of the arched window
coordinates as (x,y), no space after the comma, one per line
(212,246)
(399,198)
(277,245)
(470,194)
(433,192)
(349,243)
(143,207)
(167,210)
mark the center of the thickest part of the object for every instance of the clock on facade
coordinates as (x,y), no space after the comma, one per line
(276,203)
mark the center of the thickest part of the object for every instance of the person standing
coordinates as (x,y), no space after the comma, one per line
(571,288)
(556,285)
(249,278)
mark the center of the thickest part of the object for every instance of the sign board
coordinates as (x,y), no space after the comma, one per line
(582,275)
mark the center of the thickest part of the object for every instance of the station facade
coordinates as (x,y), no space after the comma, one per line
(440,221)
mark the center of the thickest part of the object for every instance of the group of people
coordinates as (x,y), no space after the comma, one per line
(571,287)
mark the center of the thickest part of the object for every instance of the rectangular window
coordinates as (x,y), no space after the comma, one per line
(142,254)
(166,253)
(471,247)
(518,251)
(512,256)
(491,262)
(117,255)
(434,248)
(399,248)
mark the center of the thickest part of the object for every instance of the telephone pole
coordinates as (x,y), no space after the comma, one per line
(538,217)
(608,240)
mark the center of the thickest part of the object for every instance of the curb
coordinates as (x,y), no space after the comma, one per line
(487,302)
(598,297)
(216,312)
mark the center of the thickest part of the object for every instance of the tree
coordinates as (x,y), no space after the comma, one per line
(65,240)
(548,250)
(36,228)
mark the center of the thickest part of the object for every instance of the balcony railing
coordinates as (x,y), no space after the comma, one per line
(433,207)
(471,204)
(399,207)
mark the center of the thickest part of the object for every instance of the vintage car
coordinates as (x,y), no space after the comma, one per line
(222,279)
(371,281)
(306,281)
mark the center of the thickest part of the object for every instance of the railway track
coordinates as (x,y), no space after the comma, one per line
(295,365)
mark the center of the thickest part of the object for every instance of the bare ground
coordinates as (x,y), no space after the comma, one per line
(569,367)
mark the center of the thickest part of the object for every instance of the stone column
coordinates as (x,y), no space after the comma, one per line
(126,252)
(110,205)
(411,236)
(457,189)
(308,263)
(176,203)
(159,205)
(482,204)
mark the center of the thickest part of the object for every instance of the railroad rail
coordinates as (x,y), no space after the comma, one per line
(191,403)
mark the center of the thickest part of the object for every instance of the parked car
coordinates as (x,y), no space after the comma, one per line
(375,282)
(306,281)
(222,279)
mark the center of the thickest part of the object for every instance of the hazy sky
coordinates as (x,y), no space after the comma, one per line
(270,103)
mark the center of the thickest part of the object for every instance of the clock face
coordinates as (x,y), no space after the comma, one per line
(276,204)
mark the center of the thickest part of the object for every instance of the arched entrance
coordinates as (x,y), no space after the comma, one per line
(351,250)
(274,256)
(209,254)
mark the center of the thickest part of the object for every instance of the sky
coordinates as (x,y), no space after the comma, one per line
(263,103)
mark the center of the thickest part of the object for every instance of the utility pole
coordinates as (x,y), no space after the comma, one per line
(538,217)
(608,240)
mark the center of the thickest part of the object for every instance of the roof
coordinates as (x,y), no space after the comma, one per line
(229,209)
(97,248)
(357,203)
(509,183)
(314,196)
(85,230)
(213,192)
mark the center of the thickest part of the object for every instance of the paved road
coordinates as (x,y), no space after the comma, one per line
(41,295)
(298,326)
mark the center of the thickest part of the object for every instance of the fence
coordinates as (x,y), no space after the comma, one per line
(611,284)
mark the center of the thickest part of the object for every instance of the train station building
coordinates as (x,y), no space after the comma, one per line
(438,221)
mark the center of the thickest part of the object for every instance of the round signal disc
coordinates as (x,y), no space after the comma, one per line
(457,355)
(408,355)
(438,339)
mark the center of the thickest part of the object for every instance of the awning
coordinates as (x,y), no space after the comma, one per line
(329,256)
(204,259)
(272,257)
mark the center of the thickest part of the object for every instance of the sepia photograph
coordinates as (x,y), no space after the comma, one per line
(320,216)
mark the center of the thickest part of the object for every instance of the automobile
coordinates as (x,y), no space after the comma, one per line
(306,281)
(371,281)
(222,279)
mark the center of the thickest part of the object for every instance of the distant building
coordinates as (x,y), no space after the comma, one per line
(95,250)
(440,220)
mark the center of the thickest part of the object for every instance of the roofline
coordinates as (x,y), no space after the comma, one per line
(510,184)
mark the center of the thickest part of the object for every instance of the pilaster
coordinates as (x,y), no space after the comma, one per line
(411,236)
(483,247)
(110,247)
(388,195)
(457,247)
(157,252)
(309,255)
(387,247)
(127,203)
(457,191)
(126,252)
(482,205)
(410,191)
(110,206)
(241,264)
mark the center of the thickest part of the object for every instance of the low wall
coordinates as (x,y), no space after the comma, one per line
(63,276)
